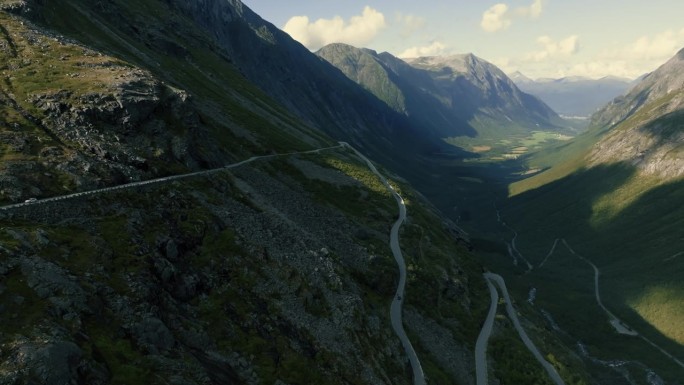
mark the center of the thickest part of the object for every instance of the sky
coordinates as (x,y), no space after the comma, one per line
(540,38)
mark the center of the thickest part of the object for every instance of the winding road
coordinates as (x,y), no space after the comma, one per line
(619,326)
(617,323)
(481,344)
(160,180)
(396,307)
(553,248)
(397,302)
(512,249)
(483,338)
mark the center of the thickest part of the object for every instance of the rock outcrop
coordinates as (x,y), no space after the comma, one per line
(644,127)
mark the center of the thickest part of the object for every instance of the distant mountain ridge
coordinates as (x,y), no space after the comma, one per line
(574,96)
(483,88)
(405,89)
(445,95)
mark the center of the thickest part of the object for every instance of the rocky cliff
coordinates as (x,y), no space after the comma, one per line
(277,271)
(74,118)
(644,127)
(217,280)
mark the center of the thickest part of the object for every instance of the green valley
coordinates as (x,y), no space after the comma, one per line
(192,195)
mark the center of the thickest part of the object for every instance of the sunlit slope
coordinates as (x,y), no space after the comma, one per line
(617,194)
(642,128)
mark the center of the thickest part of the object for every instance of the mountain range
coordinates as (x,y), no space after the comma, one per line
(574,96)
(208,227)
(450,96)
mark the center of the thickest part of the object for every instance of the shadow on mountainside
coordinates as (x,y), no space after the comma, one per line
(444,120)
(247,73)
(666,128)
(636,248)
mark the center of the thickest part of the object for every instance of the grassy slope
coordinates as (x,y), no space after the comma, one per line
(628,224)
(125,257)
(204,70)
(222,93)
(236,119)
(227,100)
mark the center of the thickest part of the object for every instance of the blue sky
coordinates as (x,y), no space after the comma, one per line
(541,38)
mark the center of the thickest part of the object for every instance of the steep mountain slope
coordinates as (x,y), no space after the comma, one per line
(276,270)
(478,89)
(640,128)
(460,95)
(574,96)
(98,119)
(303,85)
(647,124)
(618,200)
(653,88)
(407,90)
(307,86)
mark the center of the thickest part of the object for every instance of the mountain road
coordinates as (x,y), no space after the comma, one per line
(397,302)
(483,338)
(481,344)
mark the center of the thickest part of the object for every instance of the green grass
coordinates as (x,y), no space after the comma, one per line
(126,364)
(626,223)
(514,364)
(497,142)
(22,308)
(369,202)
(627,226)
(204,72)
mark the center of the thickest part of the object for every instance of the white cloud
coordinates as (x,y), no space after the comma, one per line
(504,63)
(435,49)
(496,18)
(601,68)
(532,11)
(358,30)
(552,49)
(661,46)
(410,23)
(642,55)
(630,60)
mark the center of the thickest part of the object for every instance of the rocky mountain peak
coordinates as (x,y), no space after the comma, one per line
(457,63)
(346,52)
(518,78)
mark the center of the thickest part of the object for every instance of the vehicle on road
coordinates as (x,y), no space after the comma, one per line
(30,200)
